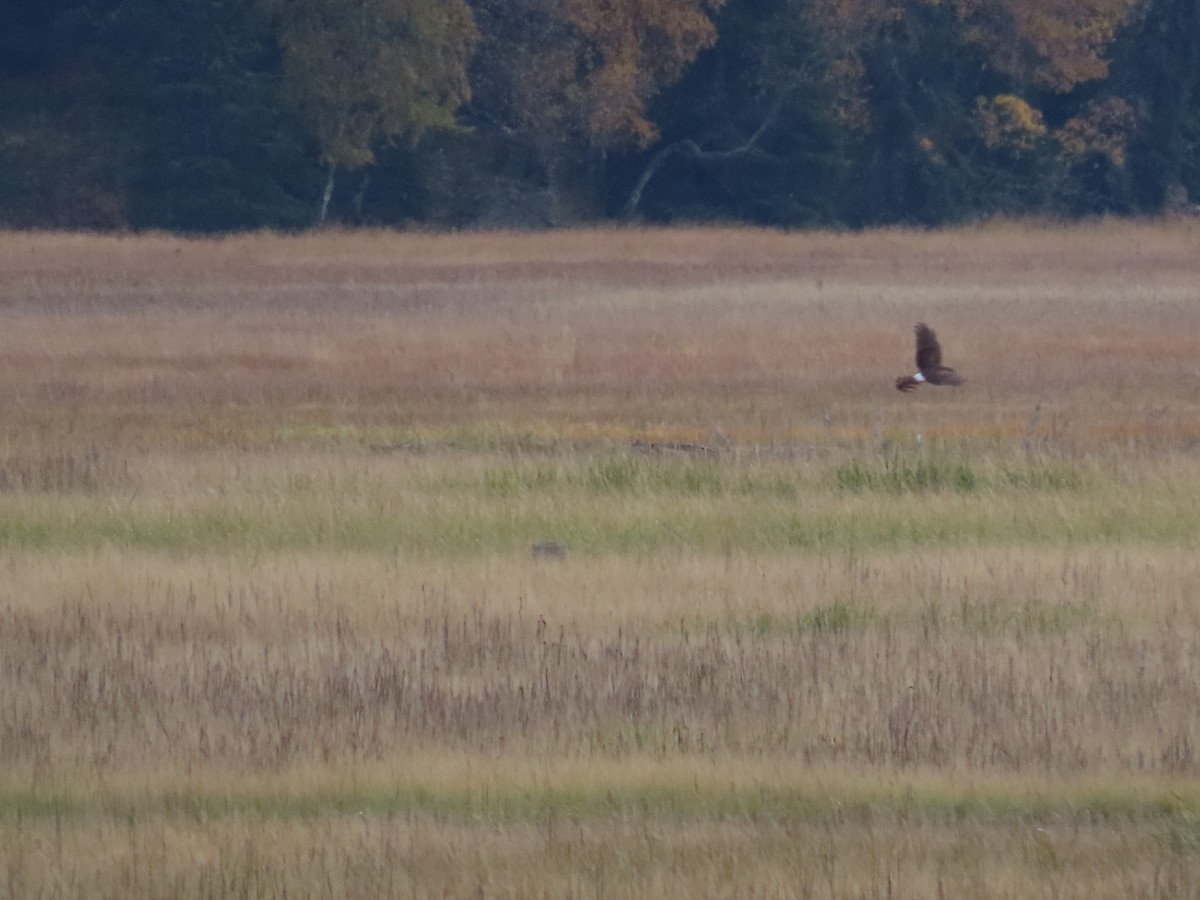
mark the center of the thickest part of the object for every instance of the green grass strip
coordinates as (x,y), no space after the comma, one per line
(703,803)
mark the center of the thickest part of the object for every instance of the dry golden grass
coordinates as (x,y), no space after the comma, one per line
(992,661)
(270,623)
(758,337)
(857,854)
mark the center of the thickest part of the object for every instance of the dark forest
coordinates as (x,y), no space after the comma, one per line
(205,116)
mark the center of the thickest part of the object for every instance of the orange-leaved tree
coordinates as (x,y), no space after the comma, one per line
(572,79)
(927,82)
(1054,44)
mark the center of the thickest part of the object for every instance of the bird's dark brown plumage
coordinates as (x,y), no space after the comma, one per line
(929,362)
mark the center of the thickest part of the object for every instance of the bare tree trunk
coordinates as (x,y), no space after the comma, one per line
(688,147)
(360,195)
(327,194)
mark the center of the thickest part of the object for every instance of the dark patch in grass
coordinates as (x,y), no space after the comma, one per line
(906,476)
(896,475)
(994,618)
(609,475)
(619,475)
(63,473)
(512,482)
(833,618)
(779,486)
(1044,478)
(1030,617)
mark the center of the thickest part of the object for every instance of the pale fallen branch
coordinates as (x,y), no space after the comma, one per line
(690,149)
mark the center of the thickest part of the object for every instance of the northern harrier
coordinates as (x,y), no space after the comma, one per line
(929,362)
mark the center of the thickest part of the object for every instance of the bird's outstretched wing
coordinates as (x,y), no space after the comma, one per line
(929,351)
(943,375)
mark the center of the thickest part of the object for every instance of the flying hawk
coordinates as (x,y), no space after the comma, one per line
(929,362)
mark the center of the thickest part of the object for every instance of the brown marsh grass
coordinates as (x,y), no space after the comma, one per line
(270,623)
(756,337)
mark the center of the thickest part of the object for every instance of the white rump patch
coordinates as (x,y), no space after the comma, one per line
(918,378)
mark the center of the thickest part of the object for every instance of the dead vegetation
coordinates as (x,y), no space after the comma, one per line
(288,606)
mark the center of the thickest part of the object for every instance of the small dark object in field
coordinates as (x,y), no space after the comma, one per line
(680,448)
(549,550)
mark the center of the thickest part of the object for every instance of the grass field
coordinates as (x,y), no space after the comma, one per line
(600,564)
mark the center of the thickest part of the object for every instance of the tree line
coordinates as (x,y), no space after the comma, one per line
(217,115)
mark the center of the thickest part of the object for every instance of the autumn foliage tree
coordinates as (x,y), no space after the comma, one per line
(369,71)
(752,129)
(212,116)
(1156,69)
(1051,44)
(952,95)
(570,80)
